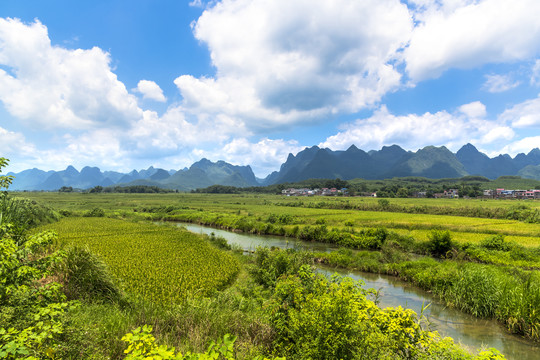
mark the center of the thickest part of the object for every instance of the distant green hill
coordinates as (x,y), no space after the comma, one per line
(514,183)
(432,162)
(530,172)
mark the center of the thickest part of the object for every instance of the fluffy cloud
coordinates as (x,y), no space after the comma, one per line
(414,131)
(499,83)
(474,110)
(25,155)
(280,62)
(54,87)
(150,90)
(14,144)
(523,115)
(264,156)
(470,33)
(100,144)
(76,93)
(150,138)
(521,146)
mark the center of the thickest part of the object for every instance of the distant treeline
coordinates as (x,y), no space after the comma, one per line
(134,189)
(471,186)
(273,189)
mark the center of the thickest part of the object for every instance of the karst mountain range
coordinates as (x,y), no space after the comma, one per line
(310,163)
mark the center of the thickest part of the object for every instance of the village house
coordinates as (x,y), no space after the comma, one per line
(309,192)
(451,193)
(512,194)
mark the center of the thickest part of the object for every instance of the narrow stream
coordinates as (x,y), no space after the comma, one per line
(466,329)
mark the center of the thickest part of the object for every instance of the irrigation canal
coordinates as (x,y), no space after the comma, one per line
(466,329)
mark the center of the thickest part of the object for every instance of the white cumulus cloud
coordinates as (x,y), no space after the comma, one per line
(264,156)
(55,87)
(150,90)
(523,115)
(474,110)
(465,34)
(100,144)
(281,62)
(14,144)
(414,131)
(521,146)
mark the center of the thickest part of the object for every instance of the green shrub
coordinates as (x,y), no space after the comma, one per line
(65,213)
(30,312)
(384,203)
(496,242)
(440,243)
(270,265)
(95,212)
(284,219)
(85,276)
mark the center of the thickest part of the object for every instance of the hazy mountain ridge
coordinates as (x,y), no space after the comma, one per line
(310,163)
(201,174)
(393,161)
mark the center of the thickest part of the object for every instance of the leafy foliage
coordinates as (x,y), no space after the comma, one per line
(31,312)
(142,345)
(320,318)
(5,180)
(440,243)
(95,212)
(509,295)
(496,242)
(270,265)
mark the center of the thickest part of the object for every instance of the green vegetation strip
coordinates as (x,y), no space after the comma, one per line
(160,263)
(335,211)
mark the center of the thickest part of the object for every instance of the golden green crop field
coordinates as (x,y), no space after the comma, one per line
(160,263)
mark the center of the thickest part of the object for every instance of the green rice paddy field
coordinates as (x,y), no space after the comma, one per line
(335,212)
(163,264)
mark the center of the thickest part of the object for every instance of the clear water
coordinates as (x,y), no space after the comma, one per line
(471,332)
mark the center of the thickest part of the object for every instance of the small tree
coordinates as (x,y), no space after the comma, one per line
(5,180)
(402,193)
(384,203)
(96,189)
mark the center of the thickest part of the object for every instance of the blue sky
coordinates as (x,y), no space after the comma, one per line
(125,85)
